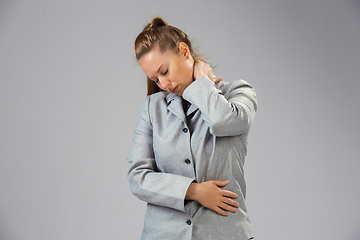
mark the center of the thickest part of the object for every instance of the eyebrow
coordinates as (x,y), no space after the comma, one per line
(159,68)
(151,78)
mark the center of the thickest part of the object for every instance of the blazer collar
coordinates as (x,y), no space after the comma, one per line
(170,97)
(174,103)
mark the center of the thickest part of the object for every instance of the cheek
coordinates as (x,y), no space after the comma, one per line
(183,72)
(186,68)
(189,71)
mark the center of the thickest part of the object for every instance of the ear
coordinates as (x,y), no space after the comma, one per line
(184,49)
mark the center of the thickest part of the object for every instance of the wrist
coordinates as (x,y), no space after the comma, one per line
(196,76)
(191,192)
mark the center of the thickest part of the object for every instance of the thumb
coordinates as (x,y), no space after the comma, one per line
(221,183)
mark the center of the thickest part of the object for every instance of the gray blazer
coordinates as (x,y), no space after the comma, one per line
(172,149)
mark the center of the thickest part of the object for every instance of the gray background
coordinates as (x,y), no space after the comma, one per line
(71,92)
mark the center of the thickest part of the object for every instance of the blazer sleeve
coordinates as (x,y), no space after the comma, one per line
(227,108)
(145,180)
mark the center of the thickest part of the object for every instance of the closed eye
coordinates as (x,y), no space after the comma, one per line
(156,80)
(165,72)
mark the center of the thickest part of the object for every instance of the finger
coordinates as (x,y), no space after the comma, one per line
(226,207)
(216,79)
(231,202)
(229,194)
(221,212)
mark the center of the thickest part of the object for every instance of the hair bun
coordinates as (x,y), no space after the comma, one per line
(158,22)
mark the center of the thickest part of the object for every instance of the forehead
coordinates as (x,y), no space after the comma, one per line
(151,61)
(151,58)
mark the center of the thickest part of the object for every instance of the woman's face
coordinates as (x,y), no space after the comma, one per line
(173,72)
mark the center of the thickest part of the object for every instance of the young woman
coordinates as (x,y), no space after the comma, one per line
(190,143)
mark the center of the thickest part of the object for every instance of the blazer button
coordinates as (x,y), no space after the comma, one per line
(188,222)
(187,161)
(185,130)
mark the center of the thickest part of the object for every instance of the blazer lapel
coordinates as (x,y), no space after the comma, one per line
(192,109)
(175,106)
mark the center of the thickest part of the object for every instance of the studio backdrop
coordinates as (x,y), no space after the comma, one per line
(71,92)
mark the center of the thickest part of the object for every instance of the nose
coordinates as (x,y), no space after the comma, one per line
(164,83)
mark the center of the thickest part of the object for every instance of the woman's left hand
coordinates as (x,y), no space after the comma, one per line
(201,68)
(210,195)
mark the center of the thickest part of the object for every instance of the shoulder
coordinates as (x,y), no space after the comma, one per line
(156,100)
(236,86)
(159,97)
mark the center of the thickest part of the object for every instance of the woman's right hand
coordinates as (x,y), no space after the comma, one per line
(202,68)
(210,195)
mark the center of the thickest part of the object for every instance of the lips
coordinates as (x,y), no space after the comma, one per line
(175,89)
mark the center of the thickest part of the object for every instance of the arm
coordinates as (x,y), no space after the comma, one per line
(145,180)
(229,109)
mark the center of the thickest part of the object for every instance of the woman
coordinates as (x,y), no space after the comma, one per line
(190,142)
